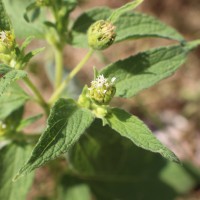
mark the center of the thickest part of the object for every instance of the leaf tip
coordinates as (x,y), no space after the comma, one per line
(169,155)
(16,177)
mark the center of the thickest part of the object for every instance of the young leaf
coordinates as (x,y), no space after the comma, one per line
(26,122)
(4,20)
(9,78)
(147,68)
(66,123)
(132,128)
(13,98)
(26,42)
(128,26)
(127,7)
(31,54)
(12,156)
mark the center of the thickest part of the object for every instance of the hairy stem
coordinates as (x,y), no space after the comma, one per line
(57,93)
(38,97)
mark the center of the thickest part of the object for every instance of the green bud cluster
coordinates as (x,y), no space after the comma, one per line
(102,90)
(101,35)
(7,46)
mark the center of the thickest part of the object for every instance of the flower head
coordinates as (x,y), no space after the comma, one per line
(102,90)
(7,46)
(101,35)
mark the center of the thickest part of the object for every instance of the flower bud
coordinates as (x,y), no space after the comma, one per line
(101,35)
(102,90)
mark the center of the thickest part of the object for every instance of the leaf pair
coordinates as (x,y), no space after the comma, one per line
(67,121)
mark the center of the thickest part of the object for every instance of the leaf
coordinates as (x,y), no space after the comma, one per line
(23,29)
(31,54)
(9,78)
(134,129)
(13,98)
(66,123)
(26,42)
(128,26)
(115,168)
(4,19)
(125,8)
(28,121)
(138,25)
(12,156)
(145,69)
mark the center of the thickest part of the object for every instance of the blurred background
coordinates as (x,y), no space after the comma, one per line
(171,108)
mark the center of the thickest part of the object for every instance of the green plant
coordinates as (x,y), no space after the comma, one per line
(86,131)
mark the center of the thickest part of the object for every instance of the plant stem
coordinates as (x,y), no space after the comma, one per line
(59,66)
(57,93)
(38,97)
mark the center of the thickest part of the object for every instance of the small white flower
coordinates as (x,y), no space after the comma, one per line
(113,79)
(3,126)
(2,35)
(101,82)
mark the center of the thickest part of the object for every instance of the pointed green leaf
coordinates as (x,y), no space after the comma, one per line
(132,128)
(145,69)
(26,42)
(66,123)
(128,26)
(31,54)
(125,8)
(12,156)
(9,78)
(4,19)
(13,98)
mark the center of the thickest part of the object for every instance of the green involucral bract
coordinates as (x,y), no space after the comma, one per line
(101,35)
